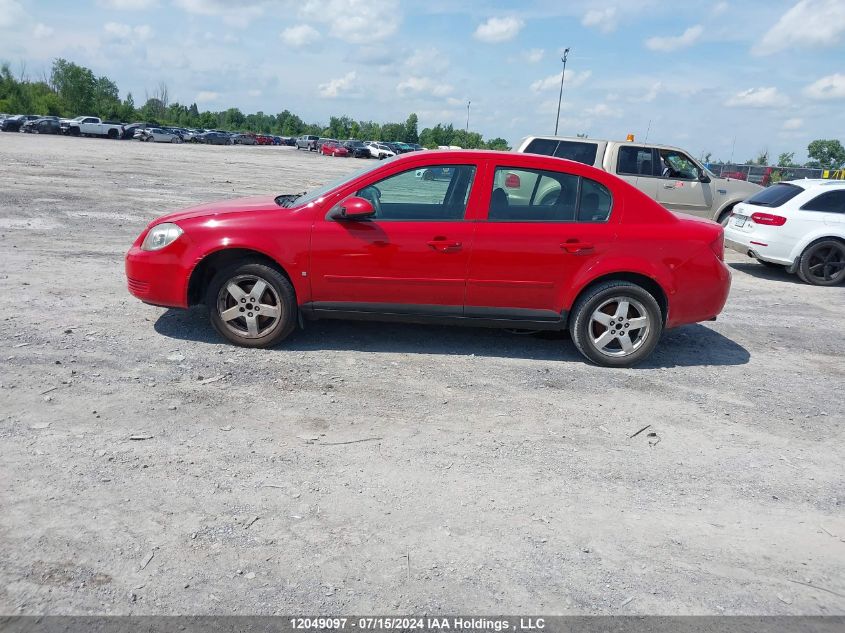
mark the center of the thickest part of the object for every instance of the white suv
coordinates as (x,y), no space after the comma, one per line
(379,150)
(798,224)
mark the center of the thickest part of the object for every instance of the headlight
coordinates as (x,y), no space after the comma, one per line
(160,236)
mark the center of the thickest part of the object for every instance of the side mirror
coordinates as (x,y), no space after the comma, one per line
(355,208)
(703,177)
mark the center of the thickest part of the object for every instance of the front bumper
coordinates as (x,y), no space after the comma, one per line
(158,277)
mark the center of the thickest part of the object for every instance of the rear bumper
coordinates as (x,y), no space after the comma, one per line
(765,249)
(703,284)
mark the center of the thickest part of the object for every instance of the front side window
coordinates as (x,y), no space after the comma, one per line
(533,195)
(828,202)
(677,165)
(412,195)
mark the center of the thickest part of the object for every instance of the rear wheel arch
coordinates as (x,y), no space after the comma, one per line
(723,213)
(212,263)
(644,281)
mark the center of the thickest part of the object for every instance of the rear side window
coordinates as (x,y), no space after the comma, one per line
(534,195)
(828,202)
(636,161)
(775,196)
(570,150)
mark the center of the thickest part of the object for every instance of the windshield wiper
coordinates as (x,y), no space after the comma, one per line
(286,200)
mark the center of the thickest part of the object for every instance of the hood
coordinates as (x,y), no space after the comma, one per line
(734,186)
(237,205)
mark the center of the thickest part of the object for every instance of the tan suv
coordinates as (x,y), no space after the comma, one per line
(666,174)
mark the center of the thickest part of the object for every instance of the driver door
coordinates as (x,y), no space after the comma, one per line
(679,188)
(411,257)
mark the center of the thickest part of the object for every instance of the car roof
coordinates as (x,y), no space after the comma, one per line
(580,139)
(812,183)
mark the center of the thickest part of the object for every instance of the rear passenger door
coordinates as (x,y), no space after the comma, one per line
(828,207)
(542,227)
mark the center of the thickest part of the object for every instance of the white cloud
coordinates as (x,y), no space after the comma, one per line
(127,5)
(720,8)
(793,124)
(118,31)
(603,19)
(534,55)
(356,21)
(11,13)
(332,88)
(496,30)
(757,98)
(255,93)
(206,95)
(42,31)
(603,110)
(427,60)
(829,87)
(675,42)
(809,24)
(573,79)
(237,14)
(299,35)
(653,92)
(418,85)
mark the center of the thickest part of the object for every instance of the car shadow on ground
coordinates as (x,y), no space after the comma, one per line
(761,271)
(692,345)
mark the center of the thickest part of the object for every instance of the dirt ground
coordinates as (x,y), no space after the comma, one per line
(365,468)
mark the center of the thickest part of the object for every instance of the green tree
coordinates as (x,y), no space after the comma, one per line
(497,143)
(153,110)
(828,154)
(106,98)
(786,159)
(76,87)
(411,135)
(127,109)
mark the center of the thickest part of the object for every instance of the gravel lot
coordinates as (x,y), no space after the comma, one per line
(367,468)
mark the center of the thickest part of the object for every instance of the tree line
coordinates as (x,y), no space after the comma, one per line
(73,90)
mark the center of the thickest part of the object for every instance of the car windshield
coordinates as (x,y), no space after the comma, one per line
(775,196)
(321,191)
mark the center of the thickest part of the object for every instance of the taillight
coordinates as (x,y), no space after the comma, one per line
(512,181)
(768,219)
(718,246)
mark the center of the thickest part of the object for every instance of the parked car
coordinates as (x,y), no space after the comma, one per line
(159,135)
(214,138)
(307,141)
(799,225)
(380,150)
(15,123)
(243,139)
(666,174)
(290,141)
(333,148)
(44,125)
(263,139)
(612,266)
(356,148)
(91,126)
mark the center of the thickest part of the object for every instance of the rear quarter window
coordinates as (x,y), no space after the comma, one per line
(775,196)
(570,150)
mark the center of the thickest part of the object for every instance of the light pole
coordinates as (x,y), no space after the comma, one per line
(468,103)
(560,97)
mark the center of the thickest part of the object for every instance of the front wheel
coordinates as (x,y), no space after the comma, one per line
(616,324)
(252,305)
(823,263)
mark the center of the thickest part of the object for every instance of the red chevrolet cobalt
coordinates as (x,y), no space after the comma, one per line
(460,237)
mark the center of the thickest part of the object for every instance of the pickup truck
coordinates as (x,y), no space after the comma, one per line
(91,126)
(664,173)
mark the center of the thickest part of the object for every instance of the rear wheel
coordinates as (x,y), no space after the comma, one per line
(252,305)
(113,134)
(823,263)
(616,324)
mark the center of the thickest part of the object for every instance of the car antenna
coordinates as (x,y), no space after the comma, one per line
(648,129)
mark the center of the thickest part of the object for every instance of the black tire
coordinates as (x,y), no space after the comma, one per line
(279,293)
(724,216)
(823,263)
(113,134)
(584,329)
(74,131)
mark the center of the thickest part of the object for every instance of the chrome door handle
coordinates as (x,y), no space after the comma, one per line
(669,185)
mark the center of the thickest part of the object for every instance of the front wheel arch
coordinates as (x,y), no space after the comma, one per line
(209,266)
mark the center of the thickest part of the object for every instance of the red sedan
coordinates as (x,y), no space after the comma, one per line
(333,148)
(497,239)
(262,139)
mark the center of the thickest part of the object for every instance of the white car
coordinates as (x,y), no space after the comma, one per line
(157,135)
(378,150)
(798,224)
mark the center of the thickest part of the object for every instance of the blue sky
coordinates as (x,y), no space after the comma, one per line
(762,74)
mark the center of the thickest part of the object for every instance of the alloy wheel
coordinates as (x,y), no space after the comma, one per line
(826,263)
(249,306)
(619,326)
